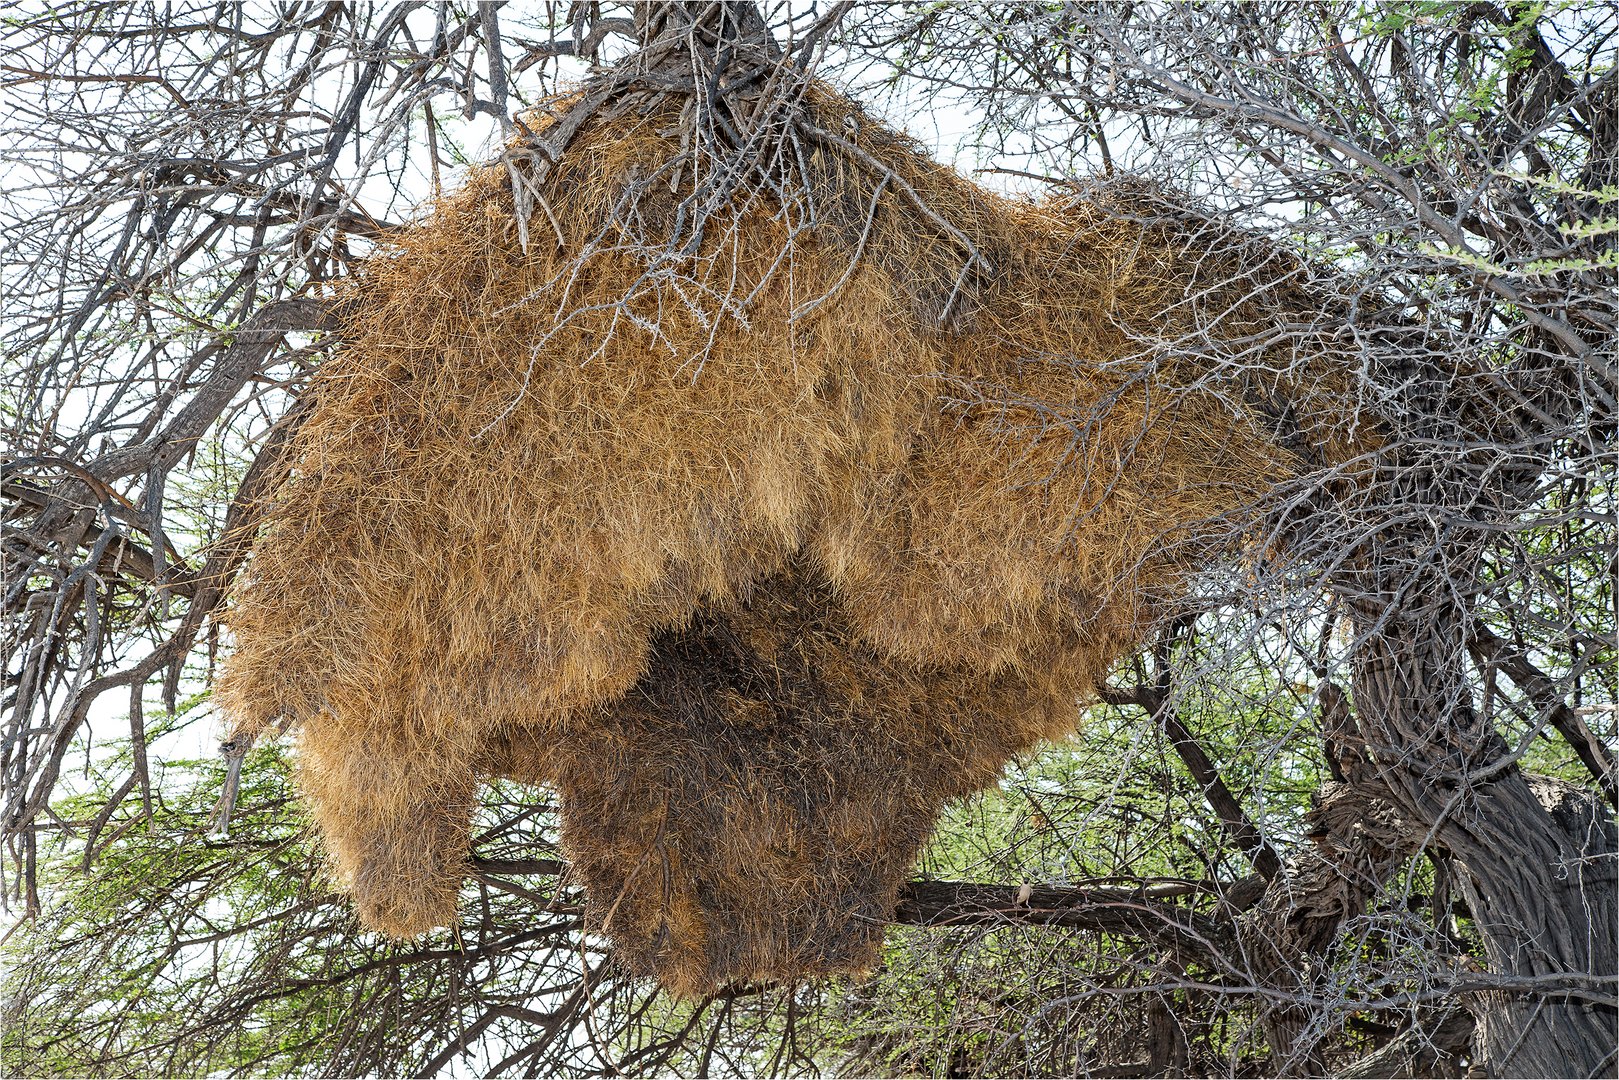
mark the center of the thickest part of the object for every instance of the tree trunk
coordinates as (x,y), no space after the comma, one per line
(1539,879)
(1357,845)
(1537,873)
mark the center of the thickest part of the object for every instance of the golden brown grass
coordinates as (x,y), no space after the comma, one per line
(757,586)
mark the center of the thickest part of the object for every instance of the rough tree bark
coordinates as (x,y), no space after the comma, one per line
(1537,873)
(1358,843)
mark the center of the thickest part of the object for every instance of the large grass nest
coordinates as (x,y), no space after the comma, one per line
(759,534)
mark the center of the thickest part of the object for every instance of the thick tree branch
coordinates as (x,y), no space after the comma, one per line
(250,347)
(1543,692)
(1147,911)
(1233,819)
(1143,913)
(121,554)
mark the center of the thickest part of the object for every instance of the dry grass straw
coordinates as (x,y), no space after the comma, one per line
(742,550)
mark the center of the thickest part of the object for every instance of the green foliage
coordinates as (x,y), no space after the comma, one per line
(126,958)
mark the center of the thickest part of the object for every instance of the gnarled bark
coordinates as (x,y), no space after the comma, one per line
(1537,859)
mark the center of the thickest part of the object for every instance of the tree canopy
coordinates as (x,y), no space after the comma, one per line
(1350,811)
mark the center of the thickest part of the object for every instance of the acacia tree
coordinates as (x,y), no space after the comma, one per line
(187,182)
